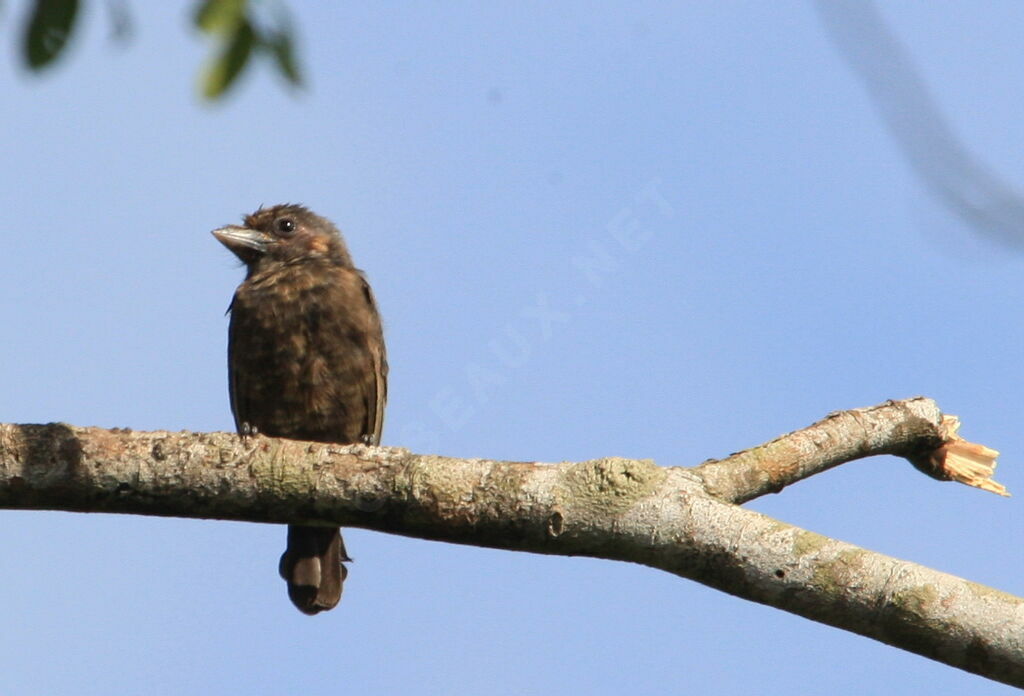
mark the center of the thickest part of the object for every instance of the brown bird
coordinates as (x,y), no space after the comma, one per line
(305,361)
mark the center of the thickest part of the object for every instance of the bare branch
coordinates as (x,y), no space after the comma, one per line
(620,509)
(914,429)
(954,175)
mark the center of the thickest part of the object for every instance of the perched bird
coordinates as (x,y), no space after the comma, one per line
(305,361)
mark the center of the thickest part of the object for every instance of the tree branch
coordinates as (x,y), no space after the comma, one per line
(914,429)
(677,519)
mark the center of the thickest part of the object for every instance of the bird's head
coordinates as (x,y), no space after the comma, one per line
(284,234)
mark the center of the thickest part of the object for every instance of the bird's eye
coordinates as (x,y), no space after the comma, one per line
(286,227)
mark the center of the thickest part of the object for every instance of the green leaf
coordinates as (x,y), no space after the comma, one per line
(283,49)
(220,16)
(48,31)
(226,67)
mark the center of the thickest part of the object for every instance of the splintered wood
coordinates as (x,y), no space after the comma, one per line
(966,462)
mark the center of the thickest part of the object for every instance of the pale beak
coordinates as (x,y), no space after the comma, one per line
(244,242)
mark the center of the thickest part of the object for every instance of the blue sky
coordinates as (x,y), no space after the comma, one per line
(775,258)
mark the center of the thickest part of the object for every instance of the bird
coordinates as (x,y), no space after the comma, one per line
(306,361)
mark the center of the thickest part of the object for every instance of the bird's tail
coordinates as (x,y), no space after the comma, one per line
(311,565)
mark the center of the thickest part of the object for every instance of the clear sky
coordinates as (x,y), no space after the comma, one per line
(791,263)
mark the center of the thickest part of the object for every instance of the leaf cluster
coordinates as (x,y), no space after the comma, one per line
(237,29)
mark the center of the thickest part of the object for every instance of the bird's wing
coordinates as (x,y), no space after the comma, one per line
(235,389)
(378,354)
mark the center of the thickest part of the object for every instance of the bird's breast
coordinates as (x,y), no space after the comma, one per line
(299,359)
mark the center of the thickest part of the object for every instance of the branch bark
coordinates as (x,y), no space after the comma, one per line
(678,519)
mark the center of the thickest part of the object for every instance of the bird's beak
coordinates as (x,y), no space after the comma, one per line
(244,242)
